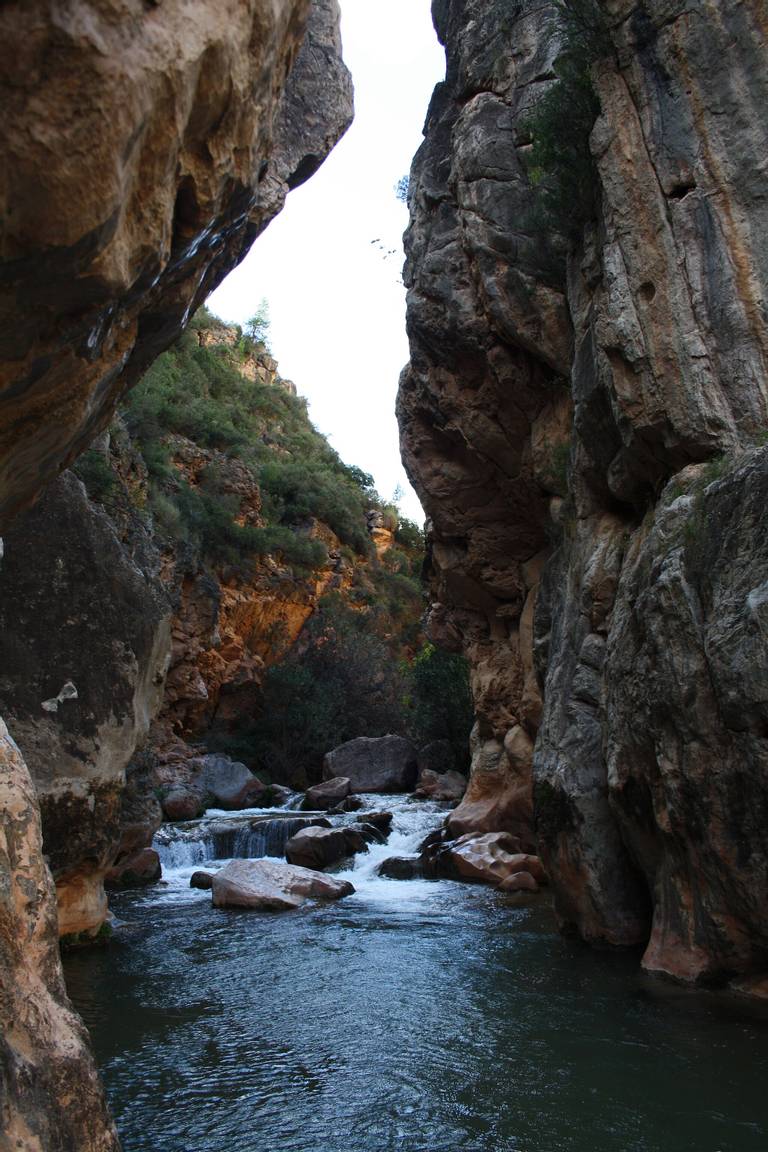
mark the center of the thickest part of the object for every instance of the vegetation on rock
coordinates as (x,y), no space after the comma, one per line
(560,160)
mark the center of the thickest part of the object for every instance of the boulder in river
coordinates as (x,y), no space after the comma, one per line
(374,764)
(400,868)
(318,847)
(183,803)
(380,820)
(326,795)
(271,886)
(432,785)
(227,783)
(201,880)
(519,882)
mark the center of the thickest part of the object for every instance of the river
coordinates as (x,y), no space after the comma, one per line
(414,1016)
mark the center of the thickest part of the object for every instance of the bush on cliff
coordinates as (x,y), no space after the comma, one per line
(560,161)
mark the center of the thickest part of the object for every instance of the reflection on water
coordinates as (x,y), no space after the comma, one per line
(410,1016)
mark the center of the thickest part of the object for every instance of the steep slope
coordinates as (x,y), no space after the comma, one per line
(587,238)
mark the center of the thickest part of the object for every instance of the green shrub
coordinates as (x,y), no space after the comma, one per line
(92,467)
(560,162)
(441,700)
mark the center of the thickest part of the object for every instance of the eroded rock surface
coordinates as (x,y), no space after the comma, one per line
(558,395)
(77,610)
(119,220)
(51,1099)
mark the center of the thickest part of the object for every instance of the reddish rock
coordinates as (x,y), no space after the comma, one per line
(519,882)
(182,804)
(272,886)
(446,786)
(143,868)
(491,858)
(318,847)
(327,795)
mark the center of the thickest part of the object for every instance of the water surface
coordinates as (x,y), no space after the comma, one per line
(411,1016)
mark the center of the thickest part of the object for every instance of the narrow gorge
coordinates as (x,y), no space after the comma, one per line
(233,677)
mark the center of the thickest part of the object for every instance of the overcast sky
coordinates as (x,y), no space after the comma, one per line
(330,264)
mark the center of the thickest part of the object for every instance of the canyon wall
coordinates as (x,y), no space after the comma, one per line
(143,148)
(583,416)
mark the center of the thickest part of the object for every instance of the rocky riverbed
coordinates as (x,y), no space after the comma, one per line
(409,1015)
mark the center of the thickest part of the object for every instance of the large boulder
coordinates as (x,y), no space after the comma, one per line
(183,803)
(318,847)
(227,784)
(374,764)
(400,868)
(327,795)
(272,886)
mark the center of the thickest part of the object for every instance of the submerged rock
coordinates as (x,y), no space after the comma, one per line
(330,794)
(373,764)
(272,886)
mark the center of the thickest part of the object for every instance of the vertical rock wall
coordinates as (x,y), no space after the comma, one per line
(143,147)
(653,330)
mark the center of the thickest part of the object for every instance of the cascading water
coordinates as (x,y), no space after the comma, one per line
(411,1016)
(182,846)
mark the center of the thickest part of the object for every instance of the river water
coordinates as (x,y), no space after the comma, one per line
(414,1016)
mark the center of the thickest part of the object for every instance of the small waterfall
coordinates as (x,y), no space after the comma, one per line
(184,845)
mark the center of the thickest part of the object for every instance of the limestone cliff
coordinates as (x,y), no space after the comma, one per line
(568,376)
(142,149)
(120,219)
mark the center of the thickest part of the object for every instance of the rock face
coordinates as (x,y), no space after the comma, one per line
(373,764)
(270,886)
(119,221)
(168,144)
(51,1096)
(84,645)
(560,400)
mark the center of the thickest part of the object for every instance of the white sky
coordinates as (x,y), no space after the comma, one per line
(337,304)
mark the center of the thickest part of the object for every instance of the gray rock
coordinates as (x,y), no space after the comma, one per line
(400,868)
(374,764)
(226,783)
(327,795)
